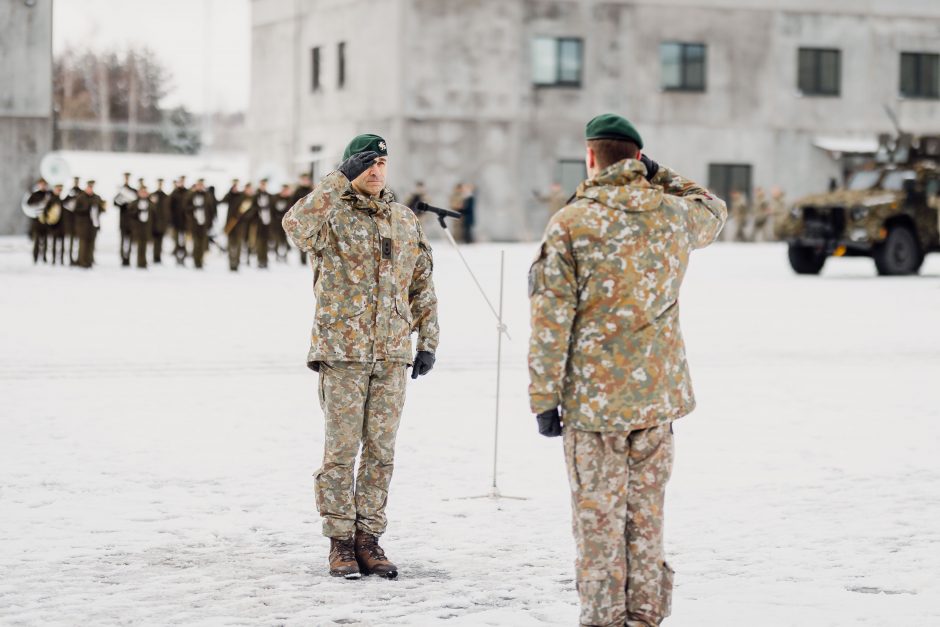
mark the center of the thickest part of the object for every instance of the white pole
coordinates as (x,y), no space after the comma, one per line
(499,363)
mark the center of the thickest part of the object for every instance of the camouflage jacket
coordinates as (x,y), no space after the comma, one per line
(371,274)
(606,345)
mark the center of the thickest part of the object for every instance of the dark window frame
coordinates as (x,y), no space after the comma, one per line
(341,65)
(315,83)
(559,82)
(813,85)
(560,167)
(685,84)
(919,90)
(724,188)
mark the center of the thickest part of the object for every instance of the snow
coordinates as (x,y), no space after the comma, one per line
(160,432)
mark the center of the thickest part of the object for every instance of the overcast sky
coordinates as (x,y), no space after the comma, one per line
(205,44)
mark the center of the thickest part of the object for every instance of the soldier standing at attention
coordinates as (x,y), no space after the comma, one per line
(39,195)
(199,207)
(740,212)
(236,221)
(607,364)
(373,286)
(160,220)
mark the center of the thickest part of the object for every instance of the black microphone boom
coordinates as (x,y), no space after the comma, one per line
(441,213)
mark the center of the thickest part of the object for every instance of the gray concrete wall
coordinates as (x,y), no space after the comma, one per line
(25,103)
(448,82)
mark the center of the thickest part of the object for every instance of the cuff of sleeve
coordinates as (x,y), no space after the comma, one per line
(426,345)
(539,403)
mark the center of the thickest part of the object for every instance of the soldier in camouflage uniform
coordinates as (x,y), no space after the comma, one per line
(373,287)
(607,363)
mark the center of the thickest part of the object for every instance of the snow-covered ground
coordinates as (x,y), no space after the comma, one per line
(159,432)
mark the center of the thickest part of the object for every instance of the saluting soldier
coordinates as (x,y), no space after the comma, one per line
(607,364)
(126,195)
(373,286)
(199,213)
(178,219)
(88,208)
(300,191)
(159,219)
(264,215)
(141,215)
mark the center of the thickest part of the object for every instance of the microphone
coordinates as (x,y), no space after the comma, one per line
(441,213)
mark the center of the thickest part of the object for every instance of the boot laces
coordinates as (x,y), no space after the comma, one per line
(371,544)
(346,551)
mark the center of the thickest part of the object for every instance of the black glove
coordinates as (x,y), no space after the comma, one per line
(550,423)
(357,164)
(314,365)
(424,361)
(651,167)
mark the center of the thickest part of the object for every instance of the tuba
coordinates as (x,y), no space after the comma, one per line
(125,196)
(53,215)
(34,202)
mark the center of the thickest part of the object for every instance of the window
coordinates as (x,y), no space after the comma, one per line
(683,66)
(314,69)
(920,75)
(557,61)
(570,174)
(723,178)
(819,72)
(341,64)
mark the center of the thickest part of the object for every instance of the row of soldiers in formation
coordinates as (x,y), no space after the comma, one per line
(148,216)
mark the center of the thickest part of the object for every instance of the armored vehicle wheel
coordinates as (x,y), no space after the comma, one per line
(899,254)
(806,259)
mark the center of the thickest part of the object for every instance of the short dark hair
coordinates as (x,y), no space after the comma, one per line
(610,151)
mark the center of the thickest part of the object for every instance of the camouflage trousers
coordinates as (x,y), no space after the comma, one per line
(618,482)
(362,405)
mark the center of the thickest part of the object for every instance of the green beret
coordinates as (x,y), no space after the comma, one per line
(611,126)
(365,143)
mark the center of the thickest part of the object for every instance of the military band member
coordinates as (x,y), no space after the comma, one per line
(300,191)
(88,208)
(607,363)
(178,219)
(159,220)
(38,231)
(141,215)
(69,219)
(56,220)
(264,217)
(126,195)
(200,211)
(282,202)
(237,220)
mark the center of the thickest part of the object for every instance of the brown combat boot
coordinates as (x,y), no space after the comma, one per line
(371,557)
(343,559)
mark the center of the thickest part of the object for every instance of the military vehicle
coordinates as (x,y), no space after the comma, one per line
(887,212)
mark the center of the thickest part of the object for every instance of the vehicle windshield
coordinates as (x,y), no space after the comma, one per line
(864,179)
(894,181)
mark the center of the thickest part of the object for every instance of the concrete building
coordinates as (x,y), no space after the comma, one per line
(25,102)
(733,93)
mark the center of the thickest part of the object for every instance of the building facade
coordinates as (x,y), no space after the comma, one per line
(25,102)
(732,93)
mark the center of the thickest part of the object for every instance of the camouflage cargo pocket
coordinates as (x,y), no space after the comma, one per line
(399,328)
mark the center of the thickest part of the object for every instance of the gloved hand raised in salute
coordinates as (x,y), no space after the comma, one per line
(357,164)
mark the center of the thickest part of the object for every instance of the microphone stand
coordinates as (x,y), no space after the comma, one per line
(501,329)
